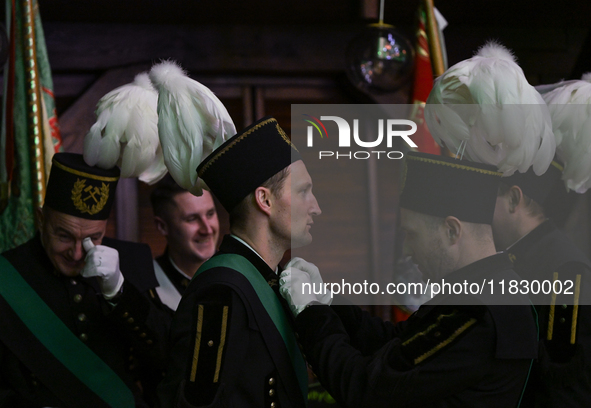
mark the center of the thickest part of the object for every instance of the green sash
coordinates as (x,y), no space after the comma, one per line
(60,341)
(272,306)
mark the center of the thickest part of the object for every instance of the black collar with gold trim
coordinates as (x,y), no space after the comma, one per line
(519,249)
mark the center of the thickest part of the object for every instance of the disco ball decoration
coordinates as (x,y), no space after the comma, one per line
(379,60)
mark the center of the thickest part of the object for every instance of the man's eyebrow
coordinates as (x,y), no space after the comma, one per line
(62,230)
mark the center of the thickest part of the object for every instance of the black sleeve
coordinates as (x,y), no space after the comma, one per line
(214,330)
(565,341)
(366,333)
(144,323)
(406,371)
(139,315)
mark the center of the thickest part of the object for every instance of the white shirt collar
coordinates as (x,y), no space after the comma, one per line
(252,249)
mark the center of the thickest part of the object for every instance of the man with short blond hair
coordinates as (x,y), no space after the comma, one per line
(191,227)
(232,339)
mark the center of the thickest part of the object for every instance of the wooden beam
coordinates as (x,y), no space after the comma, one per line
(84,46)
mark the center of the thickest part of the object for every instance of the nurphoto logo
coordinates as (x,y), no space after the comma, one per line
(387,129)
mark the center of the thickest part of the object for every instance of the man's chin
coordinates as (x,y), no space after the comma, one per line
(71,273)
(300,242)
(70,269)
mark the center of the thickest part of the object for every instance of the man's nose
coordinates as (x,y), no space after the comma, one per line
(77,251)
(315,207)
(205,228)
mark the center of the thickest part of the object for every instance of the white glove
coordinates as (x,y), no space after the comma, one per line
(103,262)
(315,278)
(291,287)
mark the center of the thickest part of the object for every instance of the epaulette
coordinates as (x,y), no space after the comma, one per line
(438,330)
(561,323)
(208,350)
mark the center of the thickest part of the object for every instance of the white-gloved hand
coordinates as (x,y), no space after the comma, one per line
(103,262)
(315,279)
(291,287)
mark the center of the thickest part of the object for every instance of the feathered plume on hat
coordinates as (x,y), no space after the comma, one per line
(126,132)
(192,122)
(569,103)
(484,109)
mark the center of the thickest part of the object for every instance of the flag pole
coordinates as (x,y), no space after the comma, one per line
(34,106)
(434,40)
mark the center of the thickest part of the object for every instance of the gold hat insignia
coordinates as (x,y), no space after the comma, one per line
(89,199)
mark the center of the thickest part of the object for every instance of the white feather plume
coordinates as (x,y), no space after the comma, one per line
(570,106)
(484,109)
(192,122)
(126,132)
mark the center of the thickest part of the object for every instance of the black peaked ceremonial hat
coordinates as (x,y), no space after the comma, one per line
(442,186)
(77,189)
(536,187)
(247,160)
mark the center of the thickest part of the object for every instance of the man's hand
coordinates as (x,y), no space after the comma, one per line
(103,262)
(323,297)
(291,287)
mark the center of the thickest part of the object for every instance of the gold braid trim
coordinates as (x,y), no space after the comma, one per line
(83,174)
(240,138)
(284,136)
(218,364)
(197,344)
(454,165)
(445,342)
(426,331)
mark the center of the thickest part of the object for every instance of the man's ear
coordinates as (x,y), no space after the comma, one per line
(453,229)
(263,199)
(161,225)
(515,196)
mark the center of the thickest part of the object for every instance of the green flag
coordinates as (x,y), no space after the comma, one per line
(29,135)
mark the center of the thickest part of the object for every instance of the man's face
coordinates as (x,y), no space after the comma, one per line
(295,207)
(191,226)
(62,236)
(426,245)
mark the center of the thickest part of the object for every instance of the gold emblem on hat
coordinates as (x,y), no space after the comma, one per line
(89,199)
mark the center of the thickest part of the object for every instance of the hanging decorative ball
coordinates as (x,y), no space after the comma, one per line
(379,60)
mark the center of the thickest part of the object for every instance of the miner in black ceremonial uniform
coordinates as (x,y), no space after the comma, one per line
(76,308)
(455,351)
(561,377)
(232,338)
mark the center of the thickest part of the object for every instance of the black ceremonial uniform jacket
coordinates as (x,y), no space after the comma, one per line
(442,356)
(138,322)
(562,375)
(252,367)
